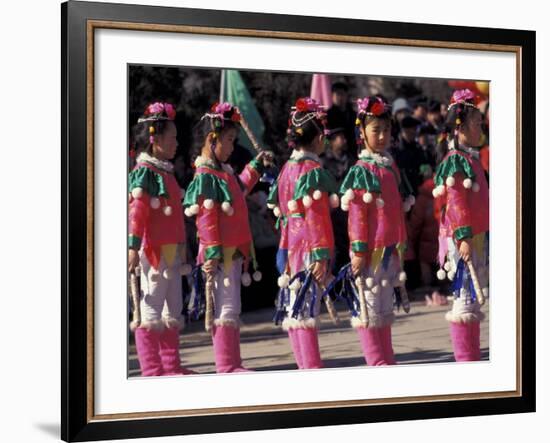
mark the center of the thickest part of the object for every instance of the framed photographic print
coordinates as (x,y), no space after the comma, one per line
(275,221)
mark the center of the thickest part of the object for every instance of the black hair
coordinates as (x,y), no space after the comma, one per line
(339,86)
(142,133)
(209,124)
(457,116)
(304,134)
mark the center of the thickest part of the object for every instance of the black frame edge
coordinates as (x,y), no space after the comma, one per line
(74,425)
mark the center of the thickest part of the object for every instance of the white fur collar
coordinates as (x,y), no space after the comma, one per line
(205,161)
(472,151)
(384,159)
(164,165)
(298,155)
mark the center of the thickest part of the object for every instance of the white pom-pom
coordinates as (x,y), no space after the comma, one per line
(168,274)
(349,195)
(447,266)
(334,200)
(385,283)
(155,203)
(194,209)
(367,197)
(226,207)
(186,269)
(137,192)
(411,200)
(370,282)
(402,276)
(358,281)
(270,205)
(307,201)
(208,203)
(283,280)
(226,282)
(296,285)
(155,276)
(344,206)
(475,187)
(230,212)
(317,194)
(246,279)
(257,276)
(441,274)
(292,205)
(435,192)
(450,181)
(276,211)
(438,191)
(188,212)
(379,203)
(406,206)
(451,275)
(375,289)
(467,183)
(167,211)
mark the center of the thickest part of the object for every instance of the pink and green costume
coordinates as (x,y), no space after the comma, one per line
(157,231)
(301,199)
(461,184)
(216,196)
(373,194)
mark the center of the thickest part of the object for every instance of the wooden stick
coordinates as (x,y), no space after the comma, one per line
(135,292)
(333,314)
(249,134)
(477,286)
(405,298)
(363,311)
(209,313)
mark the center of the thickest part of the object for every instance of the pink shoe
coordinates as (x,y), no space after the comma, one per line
(227,352)
(147,346)
(385,337)
(295,345)
(309,345)
(465,343)
(169,353)
(373,346)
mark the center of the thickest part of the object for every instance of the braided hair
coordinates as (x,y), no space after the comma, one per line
(307,120)
(153,122)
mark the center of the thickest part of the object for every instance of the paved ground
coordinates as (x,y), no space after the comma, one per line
(422,336)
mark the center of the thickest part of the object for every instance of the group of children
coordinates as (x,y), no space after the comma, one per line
(373,192)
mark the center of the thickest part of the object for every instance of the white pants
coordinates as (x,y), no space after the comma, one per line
(227,299)
(379,296)
(463,309)
(161,299)
(304,319)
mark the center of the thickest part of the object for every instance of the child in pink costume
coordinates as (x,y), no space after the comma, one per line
(301,200)
(464,225)
(157,242)
(372,193)
(217,197)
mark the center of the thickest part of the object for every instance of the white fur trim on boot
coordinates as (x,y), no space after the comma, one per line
(465,317)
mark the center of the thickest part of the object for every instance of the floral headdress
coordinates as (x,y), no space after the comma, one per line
(464,97)
(156,112)
(308,109)
(219,114)
(372,107)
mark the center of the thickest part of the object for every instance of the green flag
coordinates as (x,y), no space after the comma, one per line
(234,90)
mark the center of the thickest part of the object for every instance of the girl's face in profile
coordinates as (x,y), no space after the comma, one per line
(470,132)
(166,144)
(226,144)
(377,134)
